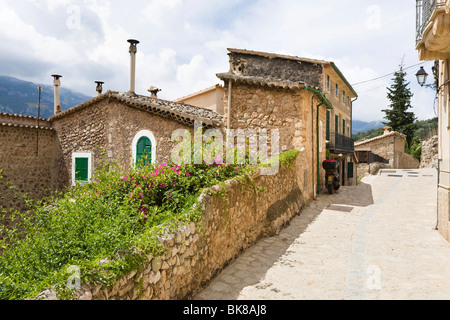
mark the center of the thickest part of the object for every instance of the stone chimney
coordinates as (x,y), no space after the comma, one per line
(387,130)
(56,85)
(99,87)
(133,51)
(154,92)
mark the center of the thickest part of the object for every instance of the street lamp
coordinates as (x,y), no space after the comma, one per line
(422,77)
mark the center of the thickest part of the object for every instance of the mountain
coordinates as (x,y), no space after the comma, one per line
(21,97)
(361,126)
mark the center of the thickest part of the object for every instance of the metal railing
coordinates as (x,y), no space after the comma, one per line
(341,143)
(424,11)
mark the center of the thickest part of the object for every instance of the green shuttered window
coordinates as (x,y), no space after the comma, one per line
(82,169)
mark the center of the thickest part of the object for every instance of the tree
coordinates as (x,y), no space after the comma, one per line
(397,115)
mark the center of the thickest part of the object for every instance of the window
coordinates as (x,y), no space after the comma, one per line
(328,82)
(343,127)
(343,97)
(143,149)
(337,90)
(81,168)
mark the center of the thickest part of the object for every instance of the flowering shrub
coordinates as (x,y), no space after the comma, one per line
(117,217)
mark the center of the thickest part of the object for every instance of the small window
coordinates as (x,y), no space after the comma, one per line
(337,90)
(328,82)
(343,97)
(343,127)
(81,168)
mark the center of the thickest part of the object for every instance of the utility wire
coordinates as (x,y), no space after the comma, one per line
(388,75)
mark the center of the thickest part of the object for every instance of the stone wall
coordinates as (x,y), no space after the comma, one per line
(29,172)
(291,111)
(408,161)
(125,122)
(430,153)
(196,254)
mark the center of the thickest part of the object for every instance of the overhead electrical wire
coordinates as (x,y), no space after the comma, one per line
(388,75)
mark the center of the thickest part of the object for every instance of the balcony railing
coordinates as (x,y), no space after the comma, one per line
(340,143)
(424,11)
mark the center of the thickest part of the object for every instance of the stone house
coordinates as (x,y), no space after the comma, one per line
(387,150)
(262,91)
(303,98)
(433,43)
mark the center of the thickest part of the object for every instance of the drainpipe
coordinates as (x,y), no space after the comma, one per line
(324,101)
(229,104)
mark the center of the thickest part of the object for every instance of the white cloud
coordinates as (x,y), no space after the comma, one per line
(183,42)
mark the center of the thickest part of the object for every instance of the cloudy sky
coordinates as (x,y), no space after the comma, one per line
(184,42)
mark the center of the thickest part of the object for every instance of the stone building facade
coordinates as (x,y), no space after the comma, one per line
(433,44)
(295,96)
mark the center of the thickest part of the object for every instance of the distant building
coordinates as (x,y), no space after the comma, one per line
(210,98)
(433,43)
(387,150)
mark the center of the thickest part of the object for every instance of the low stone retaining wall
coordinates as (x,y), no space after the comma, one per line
(234,219)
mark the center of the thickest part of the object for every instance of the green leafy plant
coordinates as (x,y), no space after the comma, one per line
(106,228)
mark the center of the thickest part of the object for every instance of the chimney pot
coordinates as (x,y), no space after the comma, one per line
(56,85)
(387,130)
(154,91)
(99,87)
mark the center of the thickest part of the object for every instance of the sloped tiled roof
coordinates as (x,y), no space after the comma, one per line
(180,112)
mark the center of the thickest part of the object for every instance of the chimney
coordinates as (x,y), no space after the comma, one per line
(387,130)
(133,51)
(154,91)
(99,87)
(56,85)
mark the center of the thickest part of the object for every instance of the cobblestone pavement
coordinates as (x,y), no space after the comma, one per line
(385,248)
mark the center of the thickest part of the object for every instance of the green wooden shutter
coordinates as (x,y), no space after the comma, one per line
(81,169)
(328,125)
(336,124)
(144,151)
(350,170)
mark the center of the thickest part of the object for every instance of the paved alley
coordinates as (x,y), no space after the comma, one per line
(374,241)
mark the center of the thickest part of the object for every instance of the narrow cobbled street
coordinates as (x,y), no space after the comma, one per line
(374,241)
